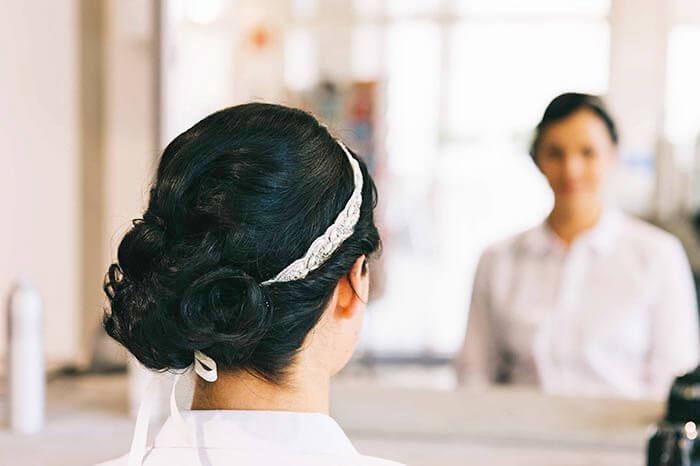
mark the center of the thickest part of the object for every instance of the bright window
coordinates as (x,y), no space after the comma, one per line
(464,88)
(501,74)
(683,88)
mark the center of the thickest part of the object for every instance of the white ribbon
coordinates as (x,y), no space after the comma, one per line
(138,443)
(205,367)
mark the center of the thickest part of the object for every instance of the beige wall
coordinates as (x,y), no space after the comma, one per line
(637,70)
(638,41)
(95,255)
(77,143)
(39,153)
(130,148)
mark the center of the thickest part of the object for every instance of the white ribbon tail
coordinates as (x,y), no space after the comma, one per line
(176,415)
(138,443)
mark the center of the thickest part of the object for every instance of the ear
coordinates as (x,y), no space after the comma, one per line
(352,290)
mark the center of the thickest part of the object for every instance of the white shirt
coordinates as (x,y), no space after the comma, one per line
(245,438)
(614,315)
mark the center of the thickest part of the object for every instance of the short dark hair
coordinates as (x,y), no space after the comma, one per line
(237,198)
(566,104)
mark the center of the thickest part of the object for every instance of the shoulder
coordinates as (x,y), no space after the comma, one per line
(121,461)
(362,460)
(649,239)
(634,227)
(508,248)
(374,461)
(509,244)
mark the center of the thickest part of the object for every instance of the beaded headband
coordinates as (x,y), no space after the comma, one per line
(325,245)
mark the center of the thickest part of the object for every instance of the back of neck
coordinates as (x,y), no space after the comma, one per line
(244,391)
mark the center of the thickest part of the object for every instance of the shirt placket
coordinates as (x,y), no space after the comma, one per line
(564,334)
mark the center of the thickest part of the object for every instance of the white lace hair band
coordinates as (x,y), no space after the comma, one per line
(320,250)
(325,245)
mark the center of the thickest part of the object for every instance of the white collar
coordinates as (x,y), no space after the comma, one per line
(599,239)
(307,433)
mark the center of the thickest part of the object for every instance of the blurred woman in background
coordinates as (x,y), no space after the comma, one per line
(592,302)
(250,264)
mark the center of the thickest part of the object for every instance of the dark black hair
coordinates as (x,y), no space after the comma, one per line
(566,104)
(237,198)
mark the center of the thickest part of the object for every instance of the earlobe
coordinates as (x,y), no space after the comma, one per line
(345,299)
(352,289)
(359,279)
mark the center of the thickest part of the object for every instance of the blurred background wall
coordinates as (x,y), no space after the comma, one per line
(78,140)
(41,160)
(441,96)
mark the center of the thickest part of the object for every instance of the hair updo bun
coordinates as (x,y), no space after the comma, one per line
(236,198)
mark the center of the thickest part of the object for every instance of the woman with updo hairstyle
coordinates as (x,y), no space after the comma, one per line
(592,302)
(249,265)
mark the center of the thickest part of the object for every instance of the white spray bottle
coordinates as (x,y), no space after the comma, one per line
(26,366)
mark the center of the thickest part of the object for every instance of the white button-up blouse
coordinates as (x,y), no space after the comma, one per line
(615,314)
(245,438)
